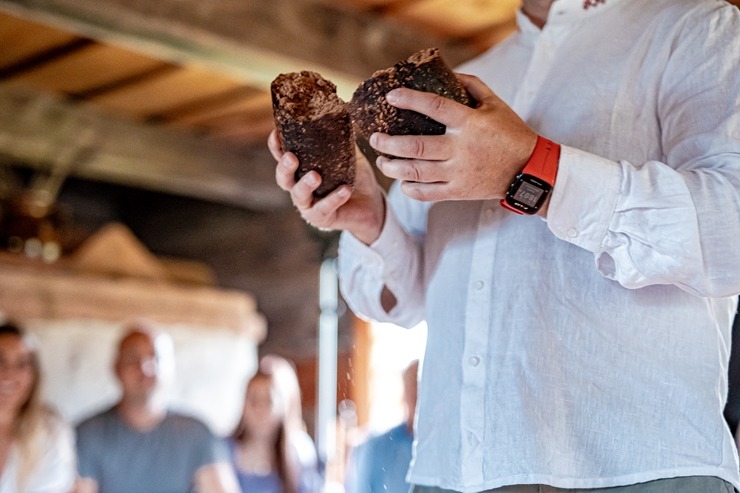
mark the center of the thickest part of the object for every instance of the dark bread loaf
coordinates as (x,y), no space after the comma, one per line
(314,124)
(423,71)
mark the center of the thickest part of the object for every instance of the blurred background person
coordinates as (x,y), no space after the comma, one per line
(271,451)
(139,445)
(380,464)
(36,444)
(286,377)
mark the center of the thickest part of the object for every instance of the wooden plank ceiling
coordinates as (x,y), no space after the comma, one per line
(131,84)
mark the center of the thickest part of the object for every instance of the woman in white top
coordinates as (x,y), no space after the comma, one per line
(36,445)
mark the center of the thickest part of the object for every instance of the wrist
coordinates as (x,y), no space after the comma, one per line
(370,228)
(530,190)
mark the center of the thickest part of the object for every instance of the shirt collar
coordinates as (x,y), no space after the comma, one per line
(565,12)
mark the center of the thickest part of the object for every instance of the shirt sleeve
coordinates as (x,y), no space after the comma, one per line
(89,435)
(674,221)
(211,449)
(392,261)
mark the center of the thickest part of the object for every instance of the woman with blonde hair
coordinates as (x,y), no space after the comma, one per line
(36,445)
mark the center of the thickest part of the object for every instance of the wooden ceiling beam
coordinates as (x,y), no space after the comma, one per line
(41,131)
(252,39)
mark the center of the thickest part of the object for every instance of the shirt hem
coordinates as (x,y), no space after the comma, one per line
(581,483)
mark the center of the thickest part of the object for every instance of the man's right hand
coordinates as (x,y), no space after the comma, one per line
(361,212)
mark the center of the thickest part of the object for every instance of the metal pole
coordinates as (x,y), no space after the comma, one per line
(327,365)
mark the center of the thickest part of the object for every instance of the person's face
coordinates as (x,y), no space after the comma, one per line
(138,366)
(17,374)
(263,408)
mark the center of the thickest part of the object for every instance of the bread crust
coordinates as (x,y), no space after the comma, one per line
(315,124)
(321,129)
(422,71)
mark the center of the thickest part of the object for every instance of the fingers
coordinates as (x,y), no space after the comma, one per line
(444,110)
(476,88)
(412,170)
(425,192)
(302,192)
(274,144)
(318,213)
(322,213)
(429,147)
(285,170)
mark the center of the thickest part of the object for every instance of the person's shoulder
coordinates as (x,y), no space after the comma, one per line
(699,23)
(304,447)
(392,435)
(93,430)
(399,432)
(690,14)
(96,420)
(707,7)
(53,425)
(186,423)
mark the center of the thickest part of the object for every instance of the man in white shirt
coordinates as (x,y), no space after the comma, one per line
(587,348)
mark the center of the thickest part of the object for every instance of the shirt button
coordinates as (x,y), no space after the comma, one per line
(473,440)
(474,361)
(572,232)
(489,213)
(478,285)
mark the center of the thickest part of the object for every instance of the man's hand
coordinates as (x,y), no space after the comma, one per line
(476,159)
(361,212)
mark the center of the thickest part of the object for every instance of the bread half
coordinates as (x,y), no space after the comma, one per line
(314,124)
(422,71)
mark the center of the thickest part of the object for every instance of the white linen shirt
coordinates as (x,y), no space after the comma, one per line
(589,350)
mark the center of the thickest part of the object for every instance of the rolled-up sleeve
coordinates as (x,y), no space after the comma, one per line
(392,261)
(675,220)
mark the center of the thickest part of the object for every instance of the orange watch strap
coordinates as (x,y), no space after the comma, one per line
(543,166)
(543,163)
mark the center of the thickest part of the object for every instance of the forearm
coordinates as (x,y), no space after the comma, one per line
(651,224)
(383,281)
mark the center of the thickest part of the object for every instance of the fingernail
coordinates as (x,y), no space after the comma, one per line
(373,139)
(312,179)
(343,192)
(392,96)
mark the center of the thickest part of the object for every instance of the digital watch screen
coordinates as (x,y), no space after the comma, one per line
(531,187)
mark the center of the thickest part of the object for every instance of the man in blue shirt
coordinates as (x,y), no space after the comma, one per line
(380,464)
(139,445)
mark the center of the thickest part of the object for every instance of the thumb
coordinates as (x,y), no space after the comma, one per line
(477,88)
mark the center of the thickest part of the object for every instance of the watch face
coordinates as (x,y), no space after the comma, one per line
(527,193)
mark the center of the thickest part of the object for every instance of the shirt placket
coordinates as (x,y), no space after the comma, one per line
(544,46)
(475,352)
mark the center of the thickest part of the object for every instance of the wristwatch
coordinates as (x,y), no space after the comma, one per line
(534,183)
